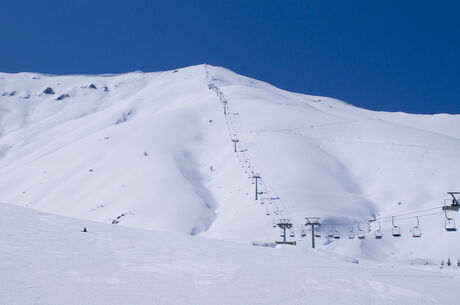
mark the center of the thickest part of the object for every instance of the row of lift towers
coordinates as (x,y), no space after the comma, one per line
(314,223)
(285,224)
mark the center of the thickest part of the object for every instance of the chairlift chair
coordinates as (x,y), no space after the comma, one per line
(450,223)
(330,233)
(318,232)
(292,233)
(303,233)
(360,233)
(351,234)
(416,231)
(396,231)
(378,233)
(336,234)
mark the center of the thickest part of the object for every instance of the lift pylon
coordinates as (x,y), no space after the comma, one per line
(256,177)
(235,141)
(285,224)
(313,222)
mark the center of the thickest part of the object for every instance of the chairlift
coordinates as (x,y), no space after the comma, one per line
(318,232)
(336,234)
(450,223)
(330,233)
(396,232)
(360,233)
(303,233)
(292,233)
(416,231)
(351,234)
(378,233)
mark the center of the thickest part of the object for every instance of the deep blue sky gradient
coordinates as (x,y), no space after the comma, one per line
(381,55)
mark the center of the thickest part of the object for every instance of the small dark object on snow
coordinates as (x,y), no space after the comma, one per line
(175,71)
(62,96)
(90,169)
(49,90)
(106,138)
(84,229)
(106,89)
(12,93)
(146,154)
(210,121)
(92,86)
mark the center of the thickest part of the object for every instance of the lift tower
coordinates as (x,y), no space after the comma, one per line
(235,141)
(256,176)
(285,224)
(313,222)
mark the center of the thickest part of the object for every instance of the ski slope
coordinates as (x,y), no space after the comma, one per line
(45,259)
(137,150)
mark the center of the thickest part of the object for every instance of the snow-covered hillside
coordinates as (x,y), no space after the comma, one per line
(44,259)
(155,151)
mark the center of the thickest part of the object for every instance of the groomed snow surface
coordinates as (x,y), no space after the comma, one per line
(146,162)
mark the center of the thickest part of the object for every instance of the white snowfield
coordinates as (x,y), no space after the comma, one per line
(45,259)
(154,152)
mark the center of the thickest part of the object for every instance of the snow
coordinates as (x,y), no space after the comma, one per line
(47,260)
(133,158)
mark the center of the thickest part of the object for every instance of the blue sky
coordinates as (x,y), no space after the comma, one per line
(381,55)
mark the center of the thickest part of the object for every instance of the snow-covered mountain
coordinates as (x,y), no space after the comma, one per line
(155,151)
(46,260)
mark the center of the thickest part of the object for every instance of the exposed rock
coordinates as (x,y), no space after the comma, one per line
(62,96)
(49,90)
